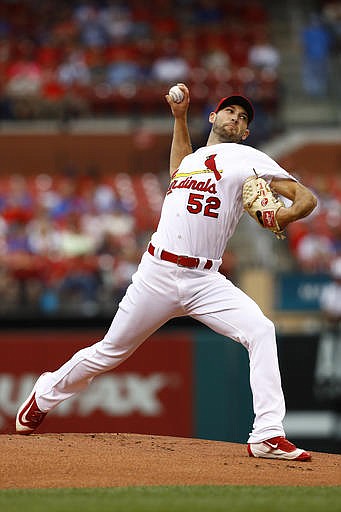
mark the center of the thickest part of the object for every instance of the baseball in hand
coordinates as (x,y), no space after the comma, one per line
(176,94)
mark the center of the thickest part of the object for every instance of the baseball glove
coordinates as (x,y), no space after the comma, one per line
(262,204)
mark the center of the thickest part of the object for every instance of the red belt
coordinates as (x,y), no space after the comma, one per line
(181,261)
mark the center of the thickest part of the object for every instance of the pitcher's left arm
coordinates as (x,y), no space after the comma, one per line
(303,200)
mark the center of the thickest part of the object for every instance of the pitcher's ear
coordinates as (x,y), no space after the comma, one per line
(246,134)
(212,117)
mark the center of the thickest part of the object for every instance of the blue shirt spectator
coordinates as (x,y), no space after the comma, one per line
(316,46)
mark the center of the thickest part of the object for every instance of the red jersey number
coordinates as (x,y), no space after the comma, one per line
(195,205)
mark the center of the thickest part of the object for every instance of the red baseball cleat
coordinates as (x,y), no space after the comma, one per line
(277,448)
(29,416)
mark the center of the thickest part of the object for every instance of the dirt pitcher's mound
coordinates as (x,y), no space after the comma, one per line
(115,460)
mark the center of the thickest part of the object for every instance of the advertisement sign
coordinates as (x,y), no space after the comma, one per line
(149,393)
(300,292)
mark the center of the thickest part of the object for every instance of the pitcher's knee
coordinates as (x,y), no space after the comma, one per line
(114,352)
(263,330)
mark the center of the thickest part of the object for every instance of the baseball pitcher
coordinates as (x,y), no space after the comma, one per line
(179,273)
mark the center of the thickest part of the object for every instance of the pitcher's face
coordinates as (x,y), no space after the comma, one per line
(230,124)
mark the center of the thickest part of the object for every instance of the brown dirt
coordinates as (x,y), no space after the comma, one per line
(117,460)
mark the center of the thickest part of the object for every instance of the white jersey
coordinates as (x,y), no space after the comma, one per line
(203,204)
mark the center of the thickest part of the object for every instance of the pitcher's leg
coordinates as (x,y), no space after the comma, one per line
(245,322)
(141,312)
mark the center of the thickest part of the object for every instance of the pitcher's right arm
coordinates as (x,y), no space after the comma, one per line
(181,141)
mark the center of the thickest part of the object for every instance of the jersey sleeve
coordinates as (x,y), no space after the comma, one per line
(267,168)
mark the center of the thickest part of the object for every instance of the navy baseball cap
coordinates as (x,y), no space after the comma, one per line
(237,100)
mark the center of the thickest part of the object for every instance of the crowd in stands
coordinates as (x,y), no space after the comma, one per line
(315,242)
(64,59)
(70,244)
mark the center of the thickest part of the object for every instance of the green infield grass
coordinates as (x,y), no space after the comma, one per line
(174,499)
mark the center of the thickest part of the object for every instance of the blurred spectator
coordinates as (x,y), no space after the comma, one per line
(116,225)
(97,66)
(170,67)
(334,224)
(77,290)
(17,238)
(117,21)
(315,249)
(24,73)
(216,60)
(66,199)
(58,26)
(263,55)
(122,70)
(73,76)
(331,11)
(17,202)
(330,300)
(73,241)
(73,70)
(316,46)
(24,79)
(9,288)
(43,238)
(91,27)
(125,267)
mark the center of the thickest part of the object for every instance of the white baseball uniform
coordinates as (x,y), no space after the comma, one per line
(201,210)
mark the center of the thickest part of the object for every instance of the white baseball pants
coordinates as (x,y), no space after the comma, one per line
(160,291)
